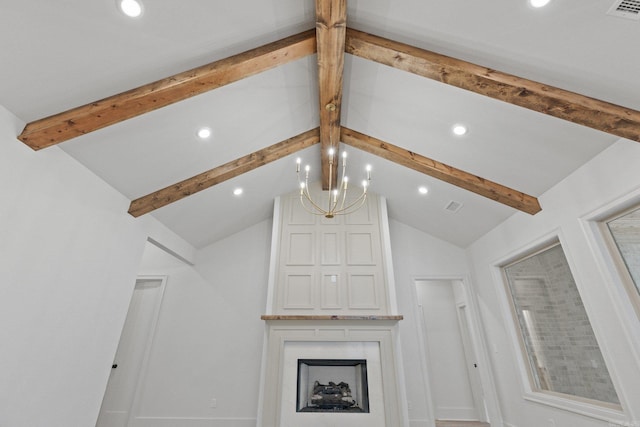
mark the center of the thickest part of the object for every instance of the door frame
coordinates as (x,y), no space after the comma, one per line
(142,373)
(148,343)
(491,407)
(469,348)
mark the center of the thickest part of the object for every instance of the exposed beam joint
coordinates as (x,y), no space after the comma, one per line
(331,25)
(222,173)
(88,118)
(441,171)
(576,108)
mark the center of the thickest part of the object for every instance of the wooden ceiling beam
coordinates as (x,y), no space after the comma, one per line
(96,115)
(331,25)
(223,173)
(441,171)
(576,108)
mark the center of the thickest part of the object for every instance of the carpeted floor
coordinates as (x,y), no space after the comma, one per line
(441,423)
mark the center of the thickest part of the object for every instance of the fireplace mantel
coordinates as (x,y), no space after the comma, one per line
(328,317)
(290,338)
(331,296)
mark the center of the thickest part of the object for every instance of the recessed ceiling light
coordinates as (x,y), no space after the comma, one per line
(423,190)
(204,133)
(538,3)
(237,191)
(131,8)
(459,129)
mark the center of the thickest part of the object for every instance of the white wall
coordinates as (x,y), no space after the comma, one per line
(209,339)
(208,344)
(419,255)
(69,253)
(611,175)
(69,256)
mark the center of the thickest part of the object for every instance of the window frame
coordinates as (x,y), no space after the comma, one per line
(613,252)
(530,391)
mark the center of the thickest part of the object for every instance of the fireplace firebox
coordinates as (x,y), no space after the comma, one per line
(332,385)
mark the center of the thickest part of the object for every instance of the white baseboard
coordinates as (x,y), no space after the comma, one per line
(420,423)
(193,422)
(509,425)
(456,413)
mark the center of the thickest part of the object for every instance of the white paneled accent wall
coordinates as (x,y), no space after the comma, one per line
(330,265)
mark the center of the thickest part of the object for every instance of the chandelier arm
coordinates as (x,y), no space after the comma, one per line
(331,159)
(304,193)
(344,197)
(351,208)
(361,198)
(316,207)
(337,198)
(315,211)
(307,195)
(339,186)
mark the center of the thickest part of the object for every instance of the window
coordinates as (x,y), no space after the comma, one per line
(555,332)
(625,231)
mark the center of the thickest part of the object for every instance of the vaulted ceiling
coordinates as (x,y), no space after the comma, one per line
(541,90)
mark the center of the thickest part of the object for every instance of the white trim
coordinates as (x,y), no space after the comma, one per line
(284,331)
(273,261)
(400,377)
(463,307)
(423,351)
(487,378)
(271,284)
(193,422)
(577,407)
(171,252)
(555,400)
(453,413)
(142,373)
(618,293)
(387,259)
(490,395)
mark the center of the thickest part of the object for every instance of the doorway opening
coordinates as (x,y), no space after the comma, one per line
(449,349)
(122,395)
(132,353)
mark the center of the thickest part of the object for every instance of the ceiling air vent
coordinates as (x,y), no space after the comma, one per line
(453,206)
(629,9)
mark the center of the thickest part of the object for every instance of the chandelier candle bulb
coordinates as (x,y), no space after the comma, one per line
(336,199)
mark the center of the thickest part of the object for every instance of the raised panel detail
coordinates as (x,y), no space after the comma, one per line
(300,250)
(330,291)
(329,265)
(360,249)
(297,215)
(362,216)
(362,292)
(298,291)
(330,248)
(336,220)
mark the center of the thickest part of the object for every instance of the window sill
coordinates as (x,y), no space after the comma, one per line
(598,410)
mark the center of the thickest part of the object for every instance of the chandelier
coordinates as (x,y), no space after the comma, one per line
(336,201)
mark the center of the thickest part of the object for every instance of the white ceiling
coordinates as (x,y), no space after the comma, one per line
(62,54)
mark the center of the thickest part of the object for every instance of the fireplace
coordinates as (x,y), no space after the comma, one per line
(331,355)
(332,385)
(343,350)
